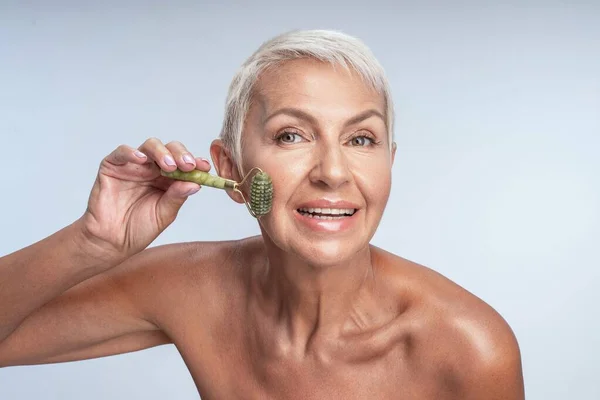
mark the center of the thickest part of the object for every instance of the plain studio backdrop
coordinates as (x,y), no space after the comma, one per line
(495,184)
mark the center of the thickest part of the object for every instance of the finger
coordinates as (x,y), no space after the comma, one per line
(202,164)
(124,154)
(172,200)
(183,157)
(158,152)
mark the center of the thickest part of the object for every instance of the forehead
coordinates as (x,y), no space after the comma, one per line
(312,85)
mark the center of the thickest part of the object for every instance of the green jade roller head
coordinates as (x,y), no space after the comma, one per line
(261,187)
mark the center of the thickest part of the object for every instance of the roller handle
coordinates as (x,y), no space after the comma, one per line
(201,178)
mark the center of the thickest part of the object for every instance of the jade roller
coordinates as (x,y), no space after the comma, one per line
(261,187)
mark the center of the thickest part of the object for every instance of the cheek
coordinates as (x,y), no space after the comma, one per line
(378,194)
(287,172)
(286,179)
(285,183)
(374,182)
(376,191)
(277,222)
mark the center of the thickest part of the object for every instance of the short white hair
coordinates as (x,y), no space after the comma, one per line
(327,46)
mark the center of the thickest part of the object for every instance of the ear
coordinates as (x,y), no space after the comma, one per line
(393,152)
(225,166)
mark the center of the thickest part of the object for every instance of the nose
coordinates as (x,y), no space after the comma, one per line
(331,166)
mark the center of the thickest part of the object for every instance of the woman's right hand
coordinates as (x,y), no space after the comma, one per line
(131,203)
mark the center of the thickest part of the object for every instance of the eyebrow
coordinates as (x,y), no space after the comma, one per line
(294,112)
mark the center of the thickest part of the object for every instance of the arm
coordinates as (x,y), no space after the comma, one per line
(109,313)
(60,296)
(31,277)
(500,379)
(495,371)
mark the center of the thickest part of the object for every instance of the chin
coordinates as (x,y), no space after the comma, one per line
(320,243)
(319,252)
(327,254)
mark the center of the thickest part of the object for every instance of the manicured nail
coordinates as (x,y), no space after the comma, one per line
(188,159)
(169,160)
(139,154)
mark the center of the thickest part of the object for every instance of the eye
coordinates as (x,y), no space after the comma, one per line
(289,137)
(361,141)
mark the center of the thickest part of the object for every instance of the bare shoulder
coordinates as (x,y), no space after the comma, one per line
(459,331)
(170,277)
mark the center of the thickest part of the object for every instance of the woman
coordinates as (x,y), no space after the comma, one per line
(307,310)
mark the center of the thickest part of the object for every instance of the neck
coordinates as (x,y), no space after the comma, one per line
(313,300)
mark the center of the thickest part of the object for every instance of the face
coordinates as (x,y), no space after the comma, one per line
(320,133)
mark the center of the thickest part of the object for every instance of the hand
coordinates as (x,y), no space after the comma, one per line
(131,203)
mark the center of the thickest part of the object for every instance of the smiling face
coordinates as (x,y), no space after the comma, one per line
(320,133)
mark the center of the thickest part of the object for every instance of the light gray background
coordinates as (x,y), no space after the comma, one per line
(496,180)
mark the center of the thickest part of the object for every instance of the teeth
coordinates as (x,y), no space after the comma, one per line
(324,217)
(325,211)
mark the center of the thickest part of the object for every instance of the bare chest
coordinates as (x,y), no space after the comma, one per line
(223,366)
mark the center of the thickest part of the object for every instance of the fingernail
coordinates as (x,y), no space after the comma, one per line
(169,160)
(188,159)
(205,160)
(139,154)
(192,191)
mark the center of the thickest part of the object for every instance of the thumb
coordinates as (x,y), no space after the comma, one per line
(172,200)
